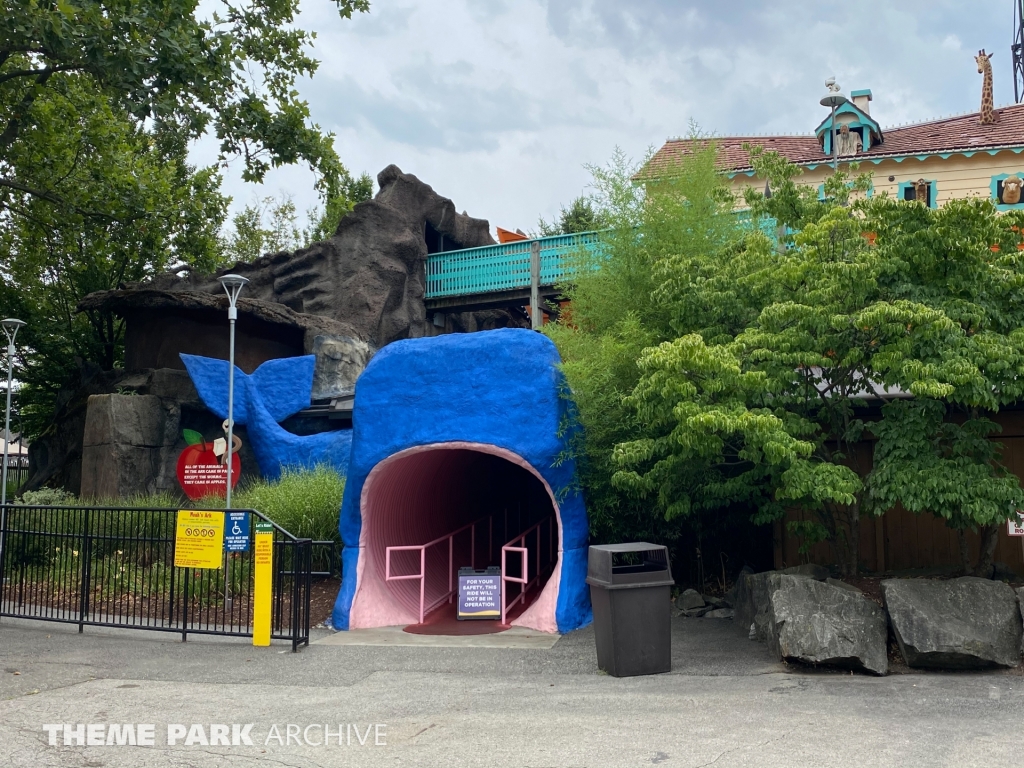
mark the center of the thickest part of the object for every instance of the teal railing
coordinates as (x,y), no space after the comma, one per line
(505,267)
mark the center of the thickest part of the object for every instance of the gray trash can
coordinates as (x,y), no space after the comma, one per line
(631,591)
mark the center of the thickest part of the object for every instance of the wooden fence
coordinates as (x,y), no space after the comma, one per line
(900,540)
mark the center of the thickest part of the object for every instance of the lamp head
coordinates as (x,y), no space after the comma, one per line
(232,286)
(11,326)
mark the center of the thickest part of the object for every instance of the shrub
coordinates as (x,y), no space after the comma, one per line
(305,502)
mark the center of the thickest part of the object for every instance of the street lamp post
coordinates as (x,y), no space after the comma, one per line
(834,98)
(11,326)
(232,286)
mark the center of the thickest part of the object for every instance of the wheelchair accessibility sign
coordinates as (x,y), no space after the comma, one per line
(236,532)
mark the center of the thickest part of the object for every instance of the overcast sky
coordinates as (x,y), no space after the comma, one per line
(499,104)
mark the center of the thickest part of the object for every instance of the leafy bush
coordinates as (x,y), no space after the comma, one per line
(47,497)
(305,502)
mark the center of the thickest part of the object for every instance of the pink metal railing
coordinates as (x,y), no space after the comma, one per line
(519,546)
(422,548)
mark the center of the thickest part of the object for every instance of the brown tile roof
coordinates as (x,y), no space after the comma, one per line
(952,134)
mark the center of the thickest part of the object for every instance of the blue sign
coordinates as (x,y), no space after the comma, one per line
(236,532)
(479,594)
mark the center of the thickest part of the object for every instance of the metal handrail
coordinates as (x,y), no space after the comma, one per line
(424,609)
(519,546)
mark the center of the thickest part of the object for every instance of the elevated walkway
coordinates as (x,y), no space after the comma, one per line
(506,275)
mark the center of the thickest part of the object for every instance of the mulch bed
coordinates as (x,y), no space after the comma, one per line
(322,595)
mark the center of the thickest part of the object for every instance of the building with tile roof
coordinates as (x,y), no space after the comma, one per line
(954,156)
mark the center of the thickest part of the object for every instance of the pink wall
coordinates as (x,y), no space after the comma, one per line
(421,494)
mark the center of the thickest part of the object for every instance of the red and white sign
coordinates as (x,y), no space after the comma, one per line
(200,470)
(1015,525)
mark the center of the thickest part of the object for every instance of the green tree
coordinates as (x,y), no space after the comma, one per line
(99,104)
(322,223)
(715,366)
(160,212)
(938,453)
(580,216)
(231,73)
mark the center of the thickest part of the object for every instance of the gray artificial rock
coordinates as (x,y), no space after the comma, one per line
(818,623)
(811,570)
(339,361)
(367,281)
(689,599)
(965,623)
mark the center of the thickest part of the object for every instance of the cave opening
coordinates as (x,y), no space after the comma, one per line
(450,507)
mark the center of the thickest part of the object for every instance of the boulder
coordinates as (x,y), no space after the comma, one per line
(965,623)
(811,570)
(818,623)
(689,600)
(716,602)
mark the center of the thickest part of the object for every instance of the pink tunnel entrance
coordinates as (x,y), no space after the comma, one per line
(486,496)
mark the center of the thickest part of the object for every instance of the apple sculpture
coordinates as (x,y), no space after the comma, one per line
(202,469)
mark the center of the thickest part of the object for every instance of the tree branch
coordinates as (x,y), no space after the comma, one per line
(50,197)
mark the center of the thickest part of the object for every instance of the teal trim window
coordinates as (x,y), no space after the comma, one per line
(997,192)
(870,131)
(908,191)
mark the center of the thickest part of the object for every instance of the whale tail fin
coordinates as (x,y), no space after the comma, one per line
(283,385)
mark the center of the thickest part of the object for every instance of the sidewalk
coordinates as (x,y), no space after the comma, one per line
(725,703)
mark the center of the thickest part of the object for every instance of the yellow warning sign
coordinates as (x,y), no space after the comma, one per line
(199,539)
(263,582)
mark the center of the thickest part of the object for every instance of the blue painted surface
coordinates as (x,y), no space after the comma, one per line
(272,393)
(499,388)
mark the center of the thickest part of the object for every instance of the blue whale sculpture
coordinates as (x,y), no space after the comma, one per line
(273,392)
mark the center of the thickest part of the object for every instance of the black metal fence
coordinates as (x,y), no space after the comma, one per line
(105,566)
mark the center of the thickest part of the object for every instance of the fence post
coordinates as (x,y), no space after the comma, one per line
(185,612)
(83,597)
(535,315)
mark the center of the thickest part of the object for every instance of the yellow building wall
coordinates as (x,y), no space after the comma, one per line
(954,177)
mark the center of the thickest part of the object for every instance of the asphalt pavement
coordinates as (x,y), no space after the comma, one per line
(726,703)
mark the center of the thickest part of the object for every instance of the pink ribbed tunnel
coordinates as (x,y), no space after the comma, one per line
(486,494)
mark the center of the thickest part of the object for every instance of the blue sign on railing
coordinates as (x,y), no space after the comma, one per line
(236,532)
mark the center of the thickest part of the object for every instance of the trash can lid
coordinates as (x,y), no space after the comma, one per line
(647,565)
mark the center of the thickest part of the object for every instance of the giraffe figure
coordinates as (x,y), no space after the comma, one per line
(988,115)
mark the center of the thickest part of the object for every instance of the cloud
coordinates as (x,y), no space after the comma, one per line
(499,104)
